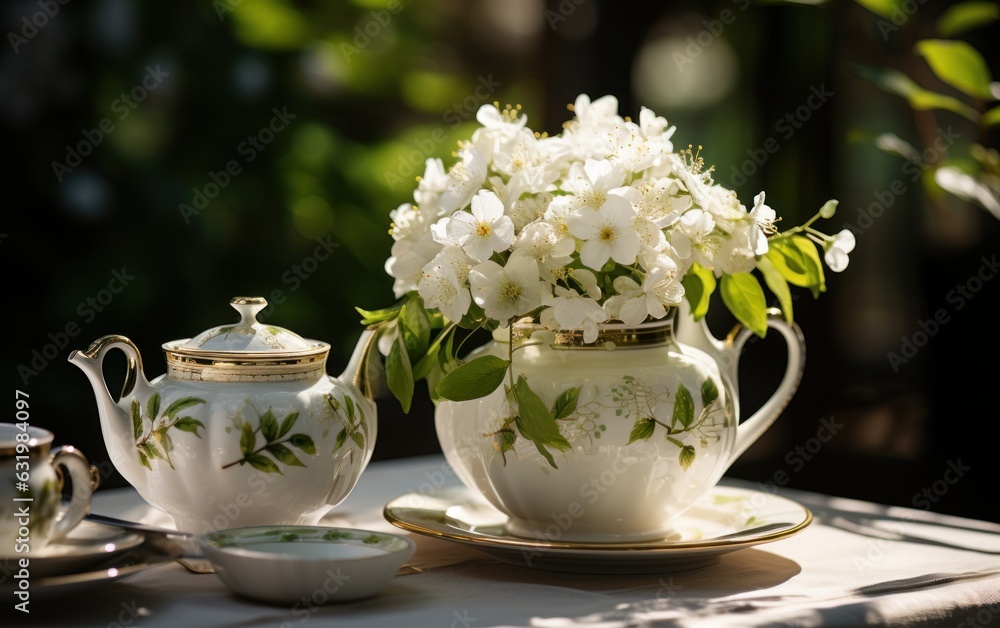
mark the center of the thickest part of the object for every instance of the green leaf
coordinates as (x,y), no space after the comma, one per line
(545,454)
(248,440)
(686,456)
(399,374)
(371,317)
(263,463)
(474,379)
(415,327)
(349,408)
(426,363)
(798,262)
(565,403)
(642,430)
(284,454)
(341,439)
(150,448)
(683,407)
(699,284)
(920,99)
(180,404)
(709,393)
(473,317)
(777,284)
(358,439)
(967,16)
(287,423)
(153,406)
(883,8)
(537,422)
(506,439)
(892,144)
(187,424)
(958,64)
(164,439)
(990,118)
(304,442)
(268,426)
(136,420)
(744,297)
(969,187)
(144,461)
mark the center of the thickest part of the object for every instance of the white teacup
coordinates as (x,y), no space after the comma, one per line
(32,513)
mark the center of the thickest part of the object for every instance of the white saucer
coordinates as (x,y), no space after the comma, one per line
(88,546)
(745,517)
(90,554)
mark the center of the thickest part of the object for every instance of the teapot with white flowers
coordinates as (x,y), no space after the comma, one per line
(593,257)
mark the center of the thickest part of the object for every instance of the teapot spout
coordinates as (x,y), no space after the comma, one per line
(357,367)
(115,422)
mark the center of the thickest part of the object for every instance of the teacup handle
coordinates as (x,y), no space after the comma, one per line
(752,428)
(85,480)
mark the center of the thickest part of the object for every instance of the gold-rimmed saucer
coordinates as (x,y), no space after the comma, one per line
(726,519)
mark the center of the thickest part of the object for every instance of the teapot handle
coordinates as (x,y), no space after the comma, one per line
(752,428)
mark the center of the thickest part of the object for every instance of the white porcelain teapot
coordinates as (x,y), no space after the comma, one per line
(650,418)
(245,427)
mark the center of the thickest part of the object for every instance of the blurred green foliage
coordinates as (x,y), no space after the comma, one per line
(969,171)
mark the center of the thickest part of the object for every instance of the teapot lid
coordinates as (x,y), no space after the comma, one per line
(247,351)
(248,334)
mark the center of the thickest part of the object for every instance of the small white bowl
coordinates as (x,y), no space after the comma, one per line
(312,565)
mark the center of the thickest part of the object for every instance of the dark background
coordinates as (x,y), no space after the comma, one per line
(340,166)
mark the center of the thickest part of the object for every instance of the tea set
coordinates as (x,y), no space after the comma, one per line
(247,443)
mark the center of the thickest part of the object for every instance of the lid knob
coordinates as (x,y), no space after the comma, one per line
(248,307)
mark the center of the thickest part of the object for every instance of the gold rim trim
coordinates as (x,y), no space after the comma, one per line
(248,301)
(608,336)
(39,444)
(39,450)
(525,543)
(246,366)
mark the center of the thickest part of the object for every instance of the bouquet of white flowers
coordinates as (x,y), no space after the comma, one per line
(603,223)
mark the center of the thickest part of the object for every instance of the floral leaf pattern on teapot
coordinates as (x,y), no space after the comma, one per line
(633,397)
(157,442)
(639,399)
(352,416)
(276,443)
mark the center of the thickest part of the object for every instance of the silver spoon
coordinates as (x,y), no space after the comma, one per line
(179,545)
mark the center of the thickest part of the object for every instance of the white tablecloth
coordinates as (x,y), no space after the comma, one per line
(840,571)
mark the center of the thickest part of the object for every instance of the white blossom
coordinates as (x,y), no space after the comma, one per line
(507,291)
(597,223)
(543,243)
(480,232)
(572,310)
(692,237)
(431,186)
(607,233)
(837,250)
(762,218)
(443,285)
(660,289)
(407,260)
(465,179)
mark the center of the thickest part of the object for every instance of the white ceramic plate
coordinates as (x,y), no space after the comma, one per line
(744,517)
(87,547)
(92,554)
